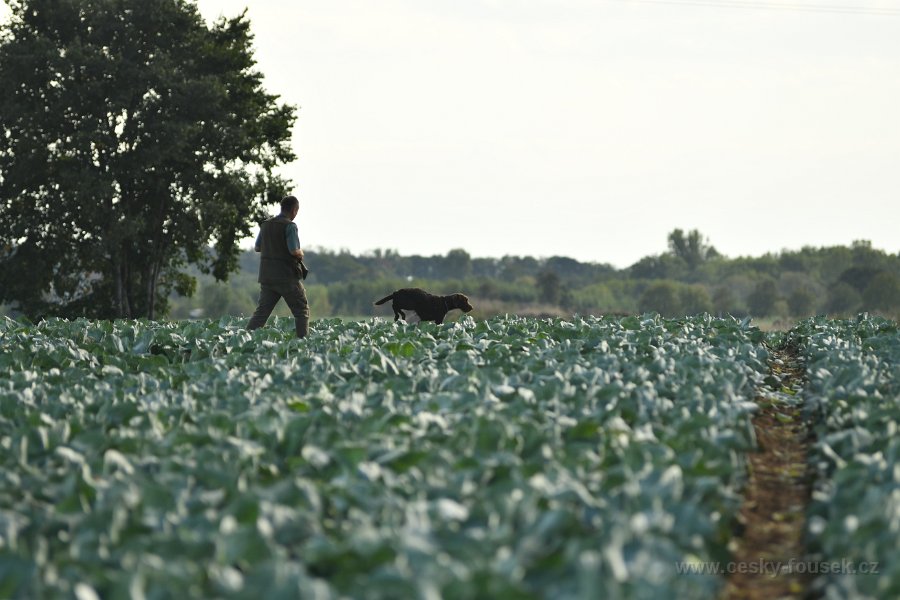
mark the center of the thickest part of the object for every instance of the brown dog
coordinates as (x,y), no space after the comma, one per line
(428,306)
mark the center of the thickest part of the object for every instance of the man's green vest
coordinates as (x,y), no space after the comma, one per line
(276,264)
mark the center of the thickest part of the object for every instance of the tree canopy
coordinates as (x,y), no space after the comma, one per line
(691,247)
(135,140)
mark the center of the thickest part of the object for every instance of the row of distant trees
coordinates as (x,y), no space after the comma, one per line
(791,284)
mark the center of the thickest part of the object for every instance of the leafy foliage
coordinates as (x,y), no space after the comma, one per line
(672,299)
(132,136)
(854,386)
(692,248)
(508,457)
(883,292)
(763,298)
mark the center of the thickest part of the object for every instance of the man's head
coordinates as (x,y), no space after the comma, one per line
(290,206)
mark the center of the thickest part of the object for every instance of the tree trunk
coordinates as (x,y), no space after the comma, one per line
(151,294)
(128,313)
(152,275)
(120,288)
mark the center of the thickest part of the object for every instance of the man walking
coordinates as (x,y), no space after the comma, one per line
(279,268)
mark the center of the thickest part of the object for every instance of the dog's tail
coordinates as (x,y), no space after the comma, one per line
(385,299)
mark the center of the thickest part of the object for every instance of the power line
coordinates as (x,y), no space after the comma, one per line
(789,6)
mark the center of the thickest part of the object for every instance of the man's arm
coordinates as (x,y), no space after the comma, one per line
(293,241)
(258,245)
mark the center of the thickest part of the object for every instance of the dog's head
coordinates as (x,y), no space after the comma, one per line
(460,301)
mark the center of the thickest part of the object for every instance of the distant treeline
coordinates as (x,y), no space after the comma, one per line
(690,277)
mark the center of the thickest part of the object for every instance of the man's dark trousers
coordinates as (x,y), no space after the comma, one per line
(295,297)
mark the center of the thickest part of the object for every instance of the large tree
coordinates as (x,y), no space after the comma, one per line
(135,140)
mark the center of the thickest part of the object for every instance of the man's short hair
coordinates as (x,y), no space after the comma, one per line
(288,203)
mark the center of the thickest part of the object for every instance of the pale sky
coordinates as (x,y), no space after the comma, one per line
(586,128)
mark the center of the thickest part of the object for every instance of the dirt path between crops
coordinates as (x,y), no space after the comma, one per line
(776,496)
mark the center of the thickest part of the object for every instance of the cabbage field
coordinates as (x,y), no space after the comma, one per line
(853,397)
(504,458)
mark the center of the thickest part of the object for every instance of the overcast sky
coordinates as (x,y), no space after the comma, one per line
(587,128)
